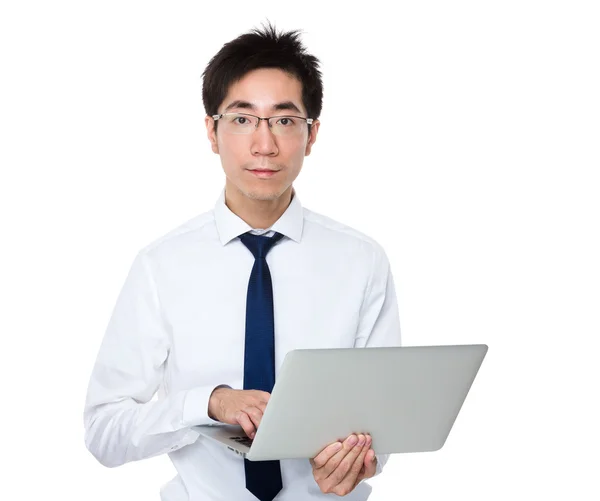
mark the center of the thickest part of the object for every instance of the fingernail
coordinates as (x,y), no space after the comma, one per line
(361,440)
(337,446)
(352,440)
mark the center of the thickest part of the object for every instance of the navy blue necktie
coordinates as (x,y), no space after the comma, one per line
(263,478)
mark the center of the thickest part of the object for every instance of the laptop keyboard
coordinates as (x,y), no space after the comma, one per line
(242,440)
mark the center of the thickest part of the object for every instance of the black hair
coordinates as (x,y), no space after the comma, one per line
(263,49)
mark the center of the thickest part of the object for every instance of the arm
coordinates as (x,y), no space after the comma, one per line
(341,466)
(121,422)
(379,323)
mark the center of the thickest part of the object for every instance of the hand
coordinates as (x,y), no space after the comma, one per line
(341,466)
(243,407)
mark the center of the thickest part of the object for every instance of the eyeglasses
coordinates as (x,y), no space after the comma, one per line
(243,123)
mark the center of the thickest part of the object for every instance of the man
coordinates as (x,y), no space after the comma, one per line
(208,311)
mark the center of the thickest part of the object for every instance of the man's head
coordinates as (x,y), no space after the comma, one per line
(266,74)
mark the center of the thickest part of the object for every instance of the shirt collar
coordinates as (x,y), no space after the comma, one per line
(230,225)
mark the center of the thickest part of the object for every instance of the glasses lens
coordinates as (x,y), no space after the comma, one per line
(238,123)
(286,126)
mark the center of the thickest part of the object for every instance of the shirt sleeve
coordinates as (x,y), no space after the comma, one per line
(122,421)
(379,322)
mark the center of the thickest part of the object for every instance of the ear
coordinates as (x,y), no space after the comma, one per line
(314,129)
(211,133)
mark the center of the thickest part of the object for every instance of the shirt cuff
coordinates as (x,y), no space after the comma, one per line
(381,460)
(195,406)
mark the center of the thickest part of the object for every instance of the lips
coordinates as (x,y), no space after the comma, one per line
(264,173)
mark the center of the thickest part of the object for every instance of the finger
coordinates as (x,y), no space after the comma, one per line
(329,462)
(369,468)
(351,479)
(368,458)
(255,415)
(259,404)
(339,465)
(321,459)
(370,464)
(262,396)
(246,423)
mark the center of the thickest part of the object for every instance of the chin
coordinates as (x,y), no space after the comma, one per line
(263,194)
(262,190)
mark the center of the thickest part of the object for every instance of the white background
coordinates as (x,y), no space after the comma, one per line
(463,136)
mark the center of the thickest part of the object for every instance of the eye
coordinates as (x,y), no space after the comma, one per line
(241,120)
(286,121)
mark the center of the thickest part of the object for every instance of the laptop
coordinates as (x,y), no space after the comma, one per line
(407,398)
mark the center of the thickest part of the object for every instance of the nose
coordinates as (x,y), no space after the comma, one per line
(263,140)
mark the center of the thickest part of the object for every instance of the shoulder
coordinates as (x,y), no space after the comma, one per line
(342,236)
(181,237)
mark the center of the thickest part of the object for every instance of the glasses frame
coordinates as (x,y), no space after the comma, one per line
(309,121)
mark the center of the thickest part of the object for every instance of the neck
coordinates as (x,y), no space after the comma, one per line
(261,214)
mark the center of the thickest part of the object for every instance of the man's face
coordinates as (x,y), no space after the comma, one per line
(264,93)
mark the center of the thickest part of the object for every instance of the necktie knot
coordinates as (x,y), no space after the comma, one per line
(260,245)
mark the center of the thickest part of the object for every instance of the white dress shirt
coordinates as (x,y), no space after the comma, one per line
(178,328)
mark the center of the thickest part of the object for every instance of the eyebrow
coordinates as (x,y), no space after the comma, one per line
(286,105)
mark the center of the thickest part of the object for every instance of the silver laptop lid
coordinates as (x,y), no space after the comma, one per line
(406,397)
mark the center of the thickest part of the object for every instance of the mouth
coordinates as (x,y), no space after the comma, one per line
(264,173)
